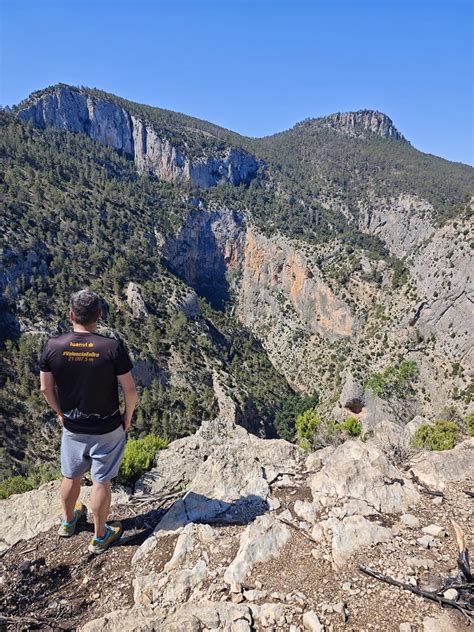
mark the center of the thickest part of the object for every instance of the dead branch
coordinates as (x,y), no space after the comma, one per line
(465,608)
(277,476)
(463,557)
(424,487)
(291,524)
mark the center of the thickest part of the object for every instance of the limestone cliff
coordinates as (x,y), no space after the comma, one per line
(317,330)
(108,122)
(349,250)
(360,124)
(403,222)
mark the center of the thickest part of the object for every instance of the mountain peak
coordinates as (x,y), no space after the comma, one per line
(360,124)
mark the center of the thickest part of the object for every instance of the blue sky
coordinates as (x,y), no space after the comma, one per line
(259,66)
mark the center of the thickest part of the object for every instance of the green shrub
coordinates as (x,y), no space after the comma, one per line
(395,384)
(39,475)
(306,424)
(394,381)
(400,274)
(442,435)
(293,407)
(139,456)
(352,426)
(15,485)
(469,421)
(43,473)
(313,432)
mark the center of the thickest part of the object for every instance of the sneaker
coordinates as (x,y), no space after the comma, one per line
(112,533)
(66,529)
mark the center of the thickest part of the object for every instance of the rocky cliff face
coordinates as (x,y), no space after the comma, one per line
(330,310)
(71,110)
(315,329)
(442,271)
(278,289)
(403,223)
(277,277)
(362,122)
(109,123)
(205,249)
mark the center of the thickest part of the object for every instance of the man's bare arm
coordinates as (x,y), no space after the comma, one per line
(130,395)
(48,389)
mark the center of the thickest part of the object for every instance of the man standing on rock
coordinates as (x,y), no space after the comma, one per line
(79,375)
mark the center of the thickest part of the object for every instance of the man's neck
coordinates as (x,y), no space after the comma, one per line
(84,329)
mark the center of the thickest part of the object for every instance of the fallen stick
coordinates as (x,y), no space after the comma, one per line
(463,557)
(290,524)
(423,486)
(464,608)
(282,474)
(468,493)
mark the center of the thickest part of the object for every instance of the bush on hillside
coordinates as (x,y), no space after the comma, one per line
(394,381)
(352,426)
(139,456)
(313,432)
(14,485)
(293,407)
(19,484)
(442,435)
(469,421)
(400,274)
(396,385)
(306,424)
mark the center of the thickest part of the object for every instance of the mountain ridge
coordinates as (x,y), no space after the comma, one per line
(326,257)
(356,117)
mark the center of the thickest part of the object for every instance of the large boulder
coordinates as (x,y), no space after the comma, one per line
(226,472)
(436,469)
(23,516)
(349,535)
(193,617)
(260,541)
(356,400)
(392,436)
(359,479)
(187,459)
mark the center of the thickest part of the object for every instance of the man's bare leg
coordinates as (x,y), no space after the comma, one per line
(100,506)
(70,489)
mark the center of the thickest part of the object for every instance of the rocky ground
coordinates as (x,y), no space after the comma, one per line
(232,532)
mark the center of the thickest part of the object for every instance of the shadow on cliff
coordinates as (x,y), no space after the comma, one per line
(197,257)
(192,507)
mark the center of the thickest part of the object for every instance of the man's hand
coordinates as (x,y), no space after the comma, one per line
(48,388)
(130,395)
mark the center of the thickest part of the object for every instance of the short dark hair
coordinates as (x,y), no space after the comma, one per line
(86,306)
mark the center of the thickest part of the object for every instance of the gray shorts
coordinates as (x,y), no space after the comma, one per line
(101,454)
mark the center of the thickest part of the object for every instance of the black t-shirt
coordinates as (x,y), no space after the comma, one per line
(85,368)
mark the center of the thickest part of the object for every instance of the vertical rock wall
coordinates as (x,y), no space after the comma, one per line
(111,124)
